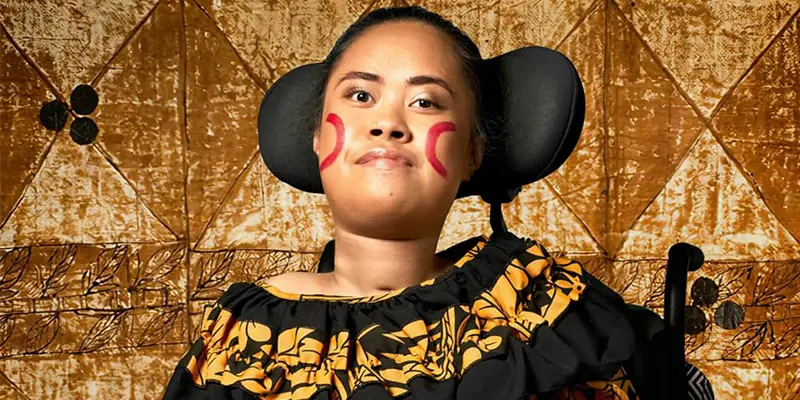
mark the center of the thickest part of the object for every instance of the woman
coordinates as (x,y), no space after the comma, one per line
(398,130)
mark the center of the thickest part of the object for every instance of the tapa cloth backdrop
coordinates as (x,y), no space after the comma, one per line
(110,249)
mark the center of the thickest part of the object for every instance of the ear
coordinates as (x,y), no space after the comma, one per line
(475,158)
(315,142)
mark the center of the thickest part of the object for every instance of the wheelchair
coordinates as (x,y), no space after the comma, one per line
(537,138)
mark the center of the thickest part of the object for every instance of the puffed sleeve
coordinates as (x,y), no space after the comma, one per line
(204,371)
(576,335)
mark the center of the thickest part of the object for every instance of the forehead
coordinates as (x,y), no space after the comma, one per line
(396,50)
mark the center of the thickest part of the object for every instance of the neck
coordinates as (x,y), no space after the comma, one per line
(366,266)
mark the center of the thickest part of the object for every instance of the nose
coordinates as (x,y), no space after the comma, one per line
(389,123)
(393,134)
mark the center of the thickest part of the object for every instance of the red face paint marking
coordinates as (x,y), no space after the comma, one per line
(430,145)
(339,125)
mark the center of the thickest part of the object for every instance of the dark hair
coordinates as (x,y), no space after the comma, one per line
(466,50)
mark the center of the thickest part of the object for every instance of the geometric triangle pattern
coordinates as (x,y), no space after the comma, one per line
(20,154)
(154,360)
(78,197)
(581,181)
(650,127)
(141,118)
(539,212)
(265,211)
(759,124)
(109,251)
(72,43)
(10,392)
(468,216)
(222,102)
(709,197)
(501,26)
(310,28)
(707,47)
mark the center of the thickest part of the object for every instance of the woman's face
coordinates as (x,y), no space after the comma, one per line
(395,139)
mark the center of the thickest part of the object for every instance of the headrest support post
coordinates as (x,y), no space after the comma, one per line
(326,258)
(496,218)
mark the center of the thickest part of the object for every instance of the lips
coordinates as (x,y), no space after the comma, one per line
(395,157)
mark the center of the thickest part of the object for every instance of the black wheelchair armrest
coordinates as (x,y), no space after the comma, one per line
(657,368)
(656,371)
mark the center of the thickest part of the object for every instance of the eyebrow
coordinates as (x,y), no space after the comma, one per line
(412,81)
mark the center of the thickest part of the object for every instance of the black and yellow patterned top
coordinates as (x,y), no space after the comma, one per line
(510,321)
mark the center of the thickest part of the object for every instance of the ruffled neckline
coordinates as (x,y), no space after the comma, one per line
(509,322)
(473,247)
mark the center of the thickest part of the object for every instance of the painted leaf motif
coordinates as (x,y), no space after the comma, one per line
(102,332)
(159,326)
(159,265)
(213,272)
(12,265)
(747,342)
(58,265)
(42,332)
(101,276)
(6,329)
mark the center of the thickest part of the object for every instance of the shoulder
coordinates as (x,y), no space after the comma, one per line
(242,305)
(296,282)
(287,280)
(253,301)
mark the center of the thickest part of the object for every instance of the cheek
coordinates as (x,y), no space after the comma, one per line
(430,145)
(337,123)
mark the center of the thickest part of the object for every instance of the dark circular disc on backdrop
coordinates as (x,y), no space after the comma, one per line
(84,99)
(83,131)
(695,320)
(705,292)
(729,315)
(53,115)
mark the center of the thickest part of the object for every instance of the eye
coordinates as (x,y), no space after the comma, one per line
(358,95)
(425,103)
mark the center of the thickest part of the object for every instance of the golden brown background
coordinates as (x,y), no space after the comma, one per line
(109,251)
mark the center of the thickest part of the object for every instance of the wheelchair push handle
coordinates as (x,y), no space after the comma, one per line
(682,258)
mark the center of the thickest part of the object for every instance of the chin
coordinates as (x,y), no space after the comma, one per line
(388,204)
(390,215)
(402,228)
